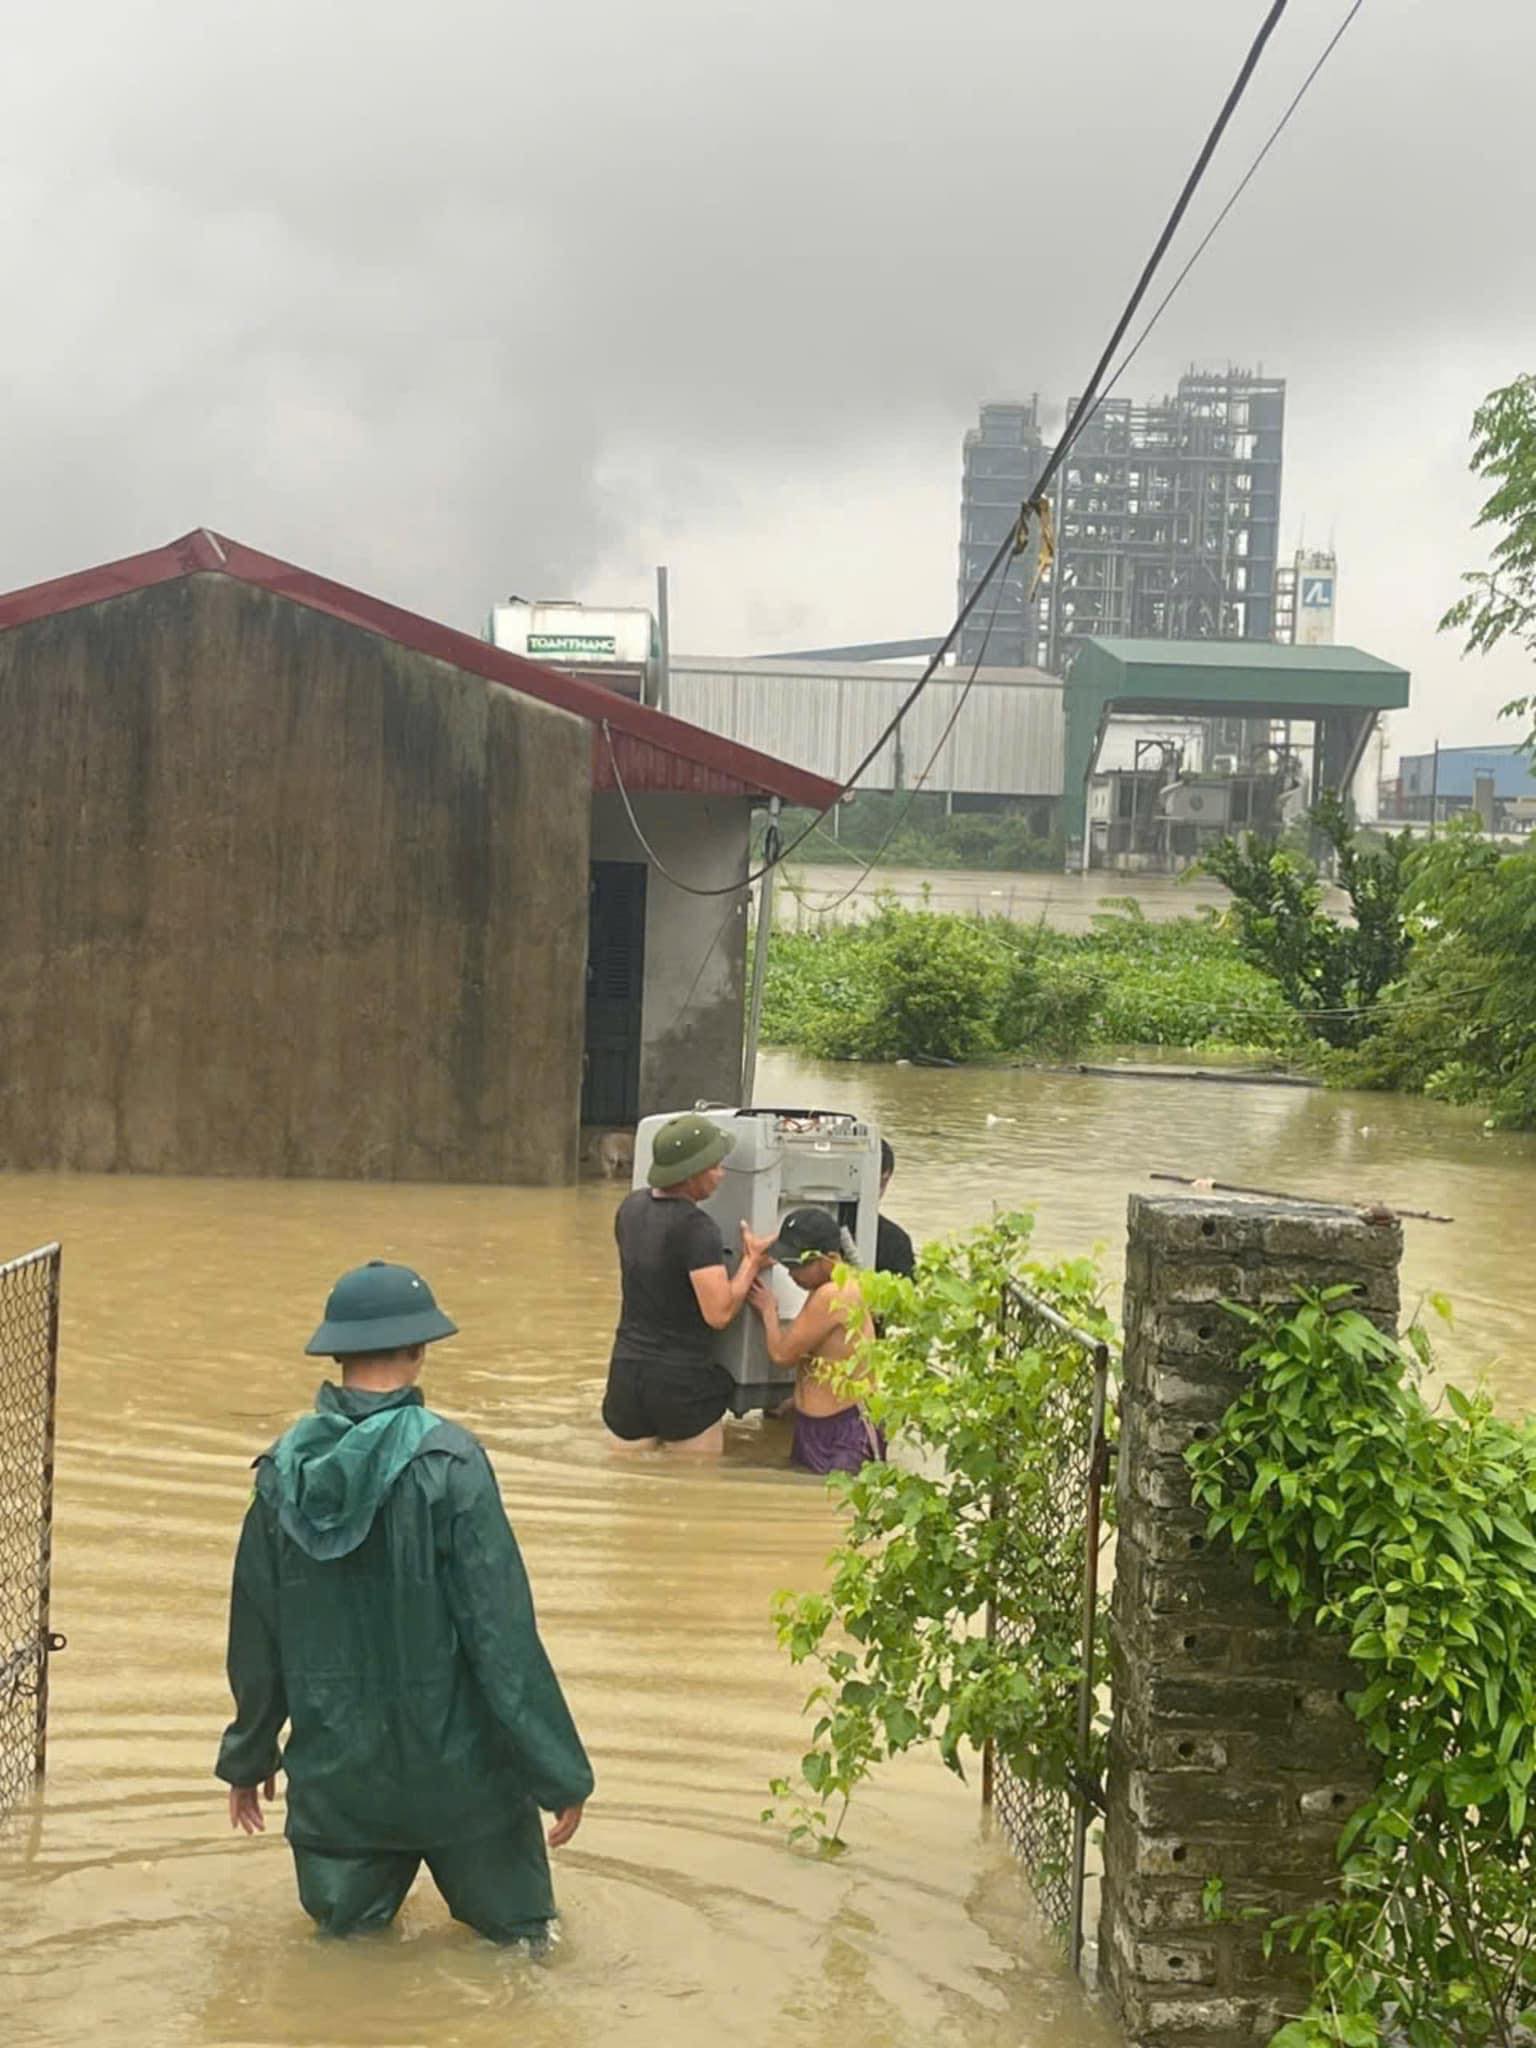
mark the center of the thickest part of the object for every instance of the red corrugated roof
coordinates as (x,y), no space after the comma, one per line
(654,751)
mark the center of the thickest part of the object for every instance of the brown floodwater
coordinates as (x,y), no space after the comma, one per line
(813,891)
(129,1913)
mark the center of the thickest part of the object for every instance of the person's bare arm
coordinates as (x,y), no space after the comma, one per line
(793,1343)
(721,1294)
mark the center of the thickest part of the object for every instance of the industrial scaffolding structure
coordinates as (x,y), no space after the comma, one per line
(1168,517)
(1004,456)
(1167,521)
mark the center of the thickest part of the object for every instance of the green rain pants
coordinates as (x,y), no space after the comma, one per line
(498,1885)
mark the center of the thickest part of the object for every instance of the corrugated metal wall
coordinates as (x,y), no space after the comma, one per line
(1007,741)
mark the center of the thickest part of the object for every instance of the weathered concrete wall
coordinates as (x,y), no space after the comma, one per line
(278,897)
(695,946)
(1232,1753)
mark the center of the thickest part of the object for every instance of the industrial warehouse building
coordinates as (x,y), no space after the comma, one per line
(1148,751)
(299,883)
(985,740)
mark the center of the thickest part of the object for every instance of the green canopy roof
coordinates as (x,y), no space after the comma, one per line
(1342,688)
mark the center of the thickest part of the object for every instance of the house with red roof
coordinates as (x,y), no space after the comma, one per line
(294,881)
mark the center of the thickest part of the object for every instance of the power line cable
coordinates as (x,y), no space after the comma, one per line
(1011,543)
(825,909)
(1237,192)
(1125,363)
(1080,412)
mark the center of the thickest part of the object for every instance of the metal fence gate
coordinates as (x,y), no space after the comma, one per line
(29,1353)
(1047,1825)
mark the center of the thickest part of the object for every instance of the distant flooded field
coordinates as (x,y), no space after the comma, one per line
(1066,902)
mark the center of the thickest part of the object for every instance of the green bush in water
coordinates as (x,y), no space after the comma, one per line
(909,984)
(1460,1022)
(925,984)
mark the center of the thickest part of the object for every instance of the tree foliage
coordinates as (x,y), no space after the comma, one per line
(1330,972)
(1500,603)
(1410,1531)
(897,1637)
(1460,1023)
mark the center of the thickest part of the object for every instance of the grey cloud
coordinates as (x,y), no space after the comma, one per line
(450,300)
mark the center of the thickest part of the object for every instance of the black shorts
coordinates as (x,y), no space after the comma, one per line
(674,1402)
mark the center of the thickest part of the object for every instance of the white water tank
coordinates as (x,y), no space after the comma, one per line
(613,645)
(782,1159)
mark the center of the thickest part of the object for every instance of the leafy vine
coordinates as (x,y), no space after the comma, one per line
(1411,1530)
(898,1637)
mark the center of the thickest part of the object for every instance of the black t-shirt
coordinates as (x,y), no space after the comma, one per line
(893,1249)
(662,1242)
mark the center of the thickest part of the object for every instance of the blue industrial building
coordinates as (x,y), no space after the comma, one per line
(1455,779)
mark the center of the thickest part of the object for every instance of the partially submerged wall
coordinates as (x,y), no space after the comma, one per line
(1233,1754)
(280,897)
(695,946)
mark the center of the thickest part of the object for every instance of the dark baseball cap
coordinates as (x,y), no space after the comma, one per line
(807,1234)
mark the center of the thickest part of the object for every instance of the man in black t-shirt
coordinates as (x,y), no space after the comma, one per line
(893,1247)
(664,1386)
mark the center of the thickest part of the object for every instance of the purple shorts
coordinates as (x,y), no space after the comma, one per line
(835,1443)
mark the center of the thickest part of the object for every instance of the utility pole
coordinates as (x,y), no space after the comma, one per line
(1434,792)
(771,844)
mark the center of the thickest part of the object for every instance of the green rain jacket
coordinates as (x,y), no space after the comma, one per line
(380,1607)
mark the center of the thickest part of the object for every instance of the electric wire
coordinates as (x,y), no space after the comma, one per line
(824,909)
(1084,404)
(1010,544)
(1236,193)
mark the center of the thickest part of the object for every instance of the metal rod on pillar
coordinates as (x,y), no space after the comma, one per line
(771,843)
(663,644)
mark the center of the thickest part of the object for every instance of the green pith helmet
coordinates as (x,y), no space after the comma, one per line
(378,1307)
(686,1146)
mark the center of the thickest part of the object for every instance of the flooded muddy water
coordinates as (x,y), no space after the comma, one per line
(129,1913)
(1068,903)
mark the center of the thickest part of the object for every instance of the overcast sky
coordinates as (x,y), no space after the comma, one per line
(478,297)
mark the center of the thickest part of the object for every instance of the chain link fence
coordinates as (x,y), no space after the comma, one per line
(1047,1824)
(29,1353)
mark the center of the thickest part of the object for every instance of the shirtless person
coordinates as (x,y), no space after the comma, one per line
(832,1433)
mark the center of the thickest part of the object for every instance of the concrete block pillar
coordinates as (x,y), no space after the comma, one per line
(1232,1754)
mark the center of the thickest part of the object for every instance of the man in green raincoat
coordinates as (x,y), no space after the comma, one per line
(381,1609)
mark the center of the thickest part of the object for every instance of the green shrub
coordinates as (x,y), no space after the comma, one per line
(925,984)
(897,1639)
(1411,1533)
(1051,1001)
(1460,1022)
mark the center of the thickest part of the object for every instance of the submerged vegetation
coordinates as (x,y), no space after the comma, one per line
(1428,988)
(931,985)
(924,833)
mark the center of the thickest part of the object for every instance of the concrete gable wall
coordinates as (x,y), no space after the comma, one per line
(280,897)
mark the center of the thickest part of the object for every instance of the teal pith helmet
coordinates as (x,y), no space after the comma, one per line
(378,1307)
(687,1145)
